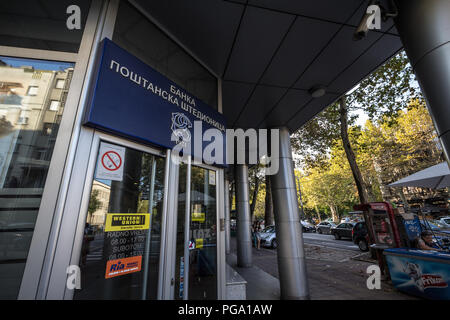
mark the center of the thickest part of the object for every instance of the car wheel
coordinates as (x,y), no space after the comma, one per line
(274,244)
(362,244)
(319,231)
(337,236)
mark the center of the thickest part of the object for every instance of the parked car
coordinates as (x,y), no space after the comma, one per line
(342,230)
(428,225)
(445,221)
(268,237)
(440,225)
(307,227)
(360,236)
(324,227)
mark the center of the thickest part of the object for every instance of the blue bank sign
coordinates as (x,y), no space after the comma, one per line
(131,99)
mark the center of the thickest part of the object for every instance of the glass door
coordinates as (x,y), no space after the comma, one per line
(122,237)
(196,244)
(203,235)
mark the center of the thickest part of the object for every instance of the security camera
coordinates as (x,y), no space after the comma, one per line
(370,20)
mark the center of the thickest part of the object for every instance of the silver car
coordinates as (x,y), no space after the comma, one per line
(445,221)
(325,227)
(268,237)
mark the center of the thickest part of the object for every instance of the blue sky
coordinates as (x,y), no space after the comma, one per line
(36,64)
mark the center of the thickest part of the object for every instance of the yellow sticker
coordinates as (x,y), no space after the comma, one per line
(198,216)
(127,221)
(198,243)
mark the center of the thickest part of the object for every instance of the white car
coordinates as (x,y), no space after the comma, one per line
(445,221)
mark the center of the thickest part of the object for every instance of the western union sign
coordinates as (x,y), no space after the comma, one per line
(127,221)
(198,216)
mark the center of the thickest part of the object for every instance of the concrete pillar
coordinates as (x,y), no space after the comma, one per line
(227,215)
(243,223)
(424,27)
(291,257)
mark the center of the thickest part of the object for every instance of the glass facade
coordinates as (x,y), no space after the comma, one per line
(33,95)
(203,235)
(28,129)
(123,226)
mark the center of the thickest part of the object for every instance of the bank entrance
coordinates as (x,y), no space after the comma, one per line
(148,226)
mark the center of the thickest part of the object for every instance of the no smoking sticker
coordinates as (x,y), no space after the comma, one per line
(110,162)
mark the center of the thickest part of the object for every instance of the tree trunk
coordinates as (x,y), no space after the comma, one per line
(268,210)
(334,213)
(362,192)
(318,213)
(404,200)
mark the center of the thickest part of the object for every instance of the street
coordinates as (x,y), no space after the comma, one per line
(326,240)
(337,270)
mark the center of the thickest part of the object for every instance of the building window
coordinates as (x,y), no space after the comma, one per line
(60,83)
(54,105)
(47,129)
(32,91)
(25,152)
(22,120)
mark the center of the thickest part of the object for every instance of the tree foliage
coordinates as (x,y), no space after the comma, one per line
(397,140)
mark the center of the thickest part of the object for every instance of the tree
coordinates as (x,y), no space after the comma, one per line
(400,149)
(94,203)
(381,95)
(357,176)
(268,203)
(387,90)
(312,142)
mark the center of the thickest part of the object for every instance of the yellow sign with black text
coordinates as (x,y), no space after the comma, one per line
(198,216)
(127,221)
(199,243)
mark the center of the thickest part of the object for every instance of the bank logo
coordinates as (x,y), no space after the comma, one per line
(180,128)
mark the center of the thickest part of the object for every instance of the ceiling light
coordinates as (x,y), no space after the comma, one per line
(317,91)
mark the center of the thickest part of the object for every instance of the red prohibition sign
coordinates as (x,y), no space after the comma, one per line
(115,163)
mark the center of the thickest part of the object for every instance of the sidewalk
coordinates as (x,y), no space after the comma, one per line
(332,275)
(260,284)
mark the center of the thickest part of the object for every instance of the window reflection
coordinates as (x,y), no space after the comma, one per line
(203,234)
(28,131)
(139,192)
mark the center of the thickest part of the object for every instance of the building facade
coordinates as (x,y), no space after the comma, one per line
(100,99)
(151,231)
